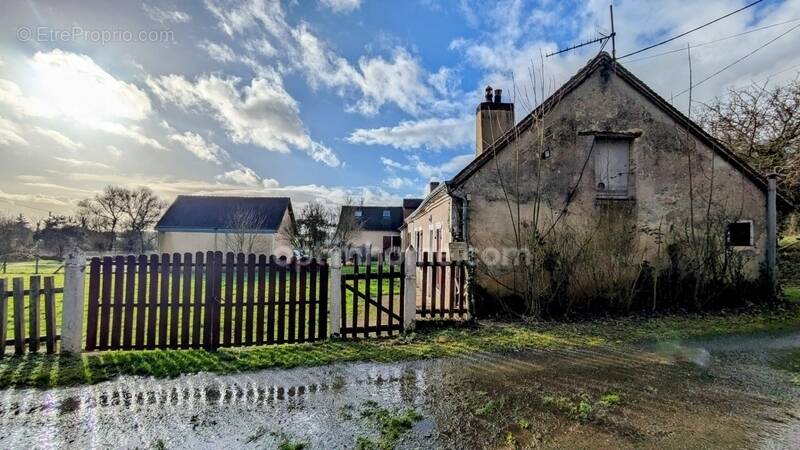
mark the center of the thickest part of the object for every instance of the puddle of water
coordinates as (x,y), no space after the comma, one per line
(253,410)
(469,402)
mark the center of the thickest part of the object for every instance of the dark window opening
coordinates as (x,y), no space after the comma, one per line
(740,234)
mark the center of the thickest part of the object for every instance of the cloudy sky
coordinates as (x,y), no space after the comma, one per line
(318,99)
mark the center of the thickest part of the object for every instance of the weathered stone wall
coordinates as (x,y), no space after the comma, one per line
(672,175)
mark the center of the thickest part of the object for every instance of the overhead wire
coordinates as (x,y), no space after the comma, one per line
(702,44)
(750,5)
(751,53)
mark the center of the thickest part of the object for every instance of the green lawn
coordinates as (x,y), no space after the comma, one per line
(47,371)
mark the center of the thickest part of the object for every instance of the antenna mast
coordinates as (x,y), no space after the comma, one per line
(613,34)
(603,38)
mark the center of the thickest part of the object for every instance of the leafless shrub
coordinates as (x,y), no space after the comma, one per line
(243,231)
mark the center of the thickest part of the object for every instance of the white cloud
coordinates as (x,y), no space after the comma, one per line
(261,113)
(114,151)
(132,132)
(400,79)
(434,133)
(11,133)
(195,144)
(74,87)
(247,177)
(218,52)
(163,16)
(59,138)
(27,199)
(12,97)
(399,182)
(444,170)
(239,15)
(261,46)
(392,164)
(508,49)
(81,163)
(341,6)
(169,187)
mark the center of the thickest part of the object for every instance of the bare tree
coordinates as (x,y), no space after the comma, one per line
(142,209)
(243,230)
(762,125)
(105,212)
(347,226)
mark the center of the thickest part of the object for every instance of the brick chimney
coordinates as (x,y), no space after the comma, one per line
(493,118)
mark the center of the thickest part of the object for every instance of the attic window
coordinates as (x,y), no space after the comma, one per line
(358,213)
(740,234)
(387,214)
(612,166)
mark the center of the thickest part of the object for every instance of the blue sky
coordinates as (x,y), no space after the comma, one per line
(320,99)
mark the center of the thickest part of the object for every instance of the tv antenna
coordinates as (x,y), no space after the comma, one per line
(603,38)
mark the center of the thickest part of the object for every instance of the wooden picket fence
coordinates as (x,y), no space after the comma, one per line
(205,301)
(442,287)
(29,315)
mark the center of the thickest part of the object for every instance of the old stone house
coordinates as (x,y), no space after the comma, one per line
(602,182)
(215,223)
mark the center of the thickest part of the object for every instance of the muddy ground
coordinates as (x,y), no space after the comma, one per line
(719,393)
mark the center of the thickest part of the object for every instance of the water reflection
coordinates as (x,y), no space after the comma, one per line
(203,408)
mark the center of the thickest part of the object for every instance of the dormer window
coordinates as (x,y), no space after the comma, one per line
(387,214)
(358,213)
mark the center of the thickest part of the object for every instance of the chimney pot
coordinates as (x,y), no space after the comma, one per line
(493,118)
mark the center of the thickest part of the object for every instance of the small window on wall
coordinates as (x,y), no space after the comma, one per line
(611,166)
(358,213)
(387,214)
(740,234)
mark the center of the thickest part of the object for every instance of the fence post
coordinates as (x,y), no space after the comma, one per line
(335,292)
(410,289)
(73,302)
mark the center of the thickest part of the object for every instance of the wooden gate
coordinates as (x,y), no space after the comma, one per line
(205,300)
(372,297)
(441,287)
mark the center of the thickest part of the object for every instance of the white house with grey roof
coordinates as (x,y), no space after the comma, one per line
(210,223)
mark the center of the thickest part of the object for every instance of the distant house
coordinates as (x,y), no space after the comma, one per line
(238,224)
(378,227)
